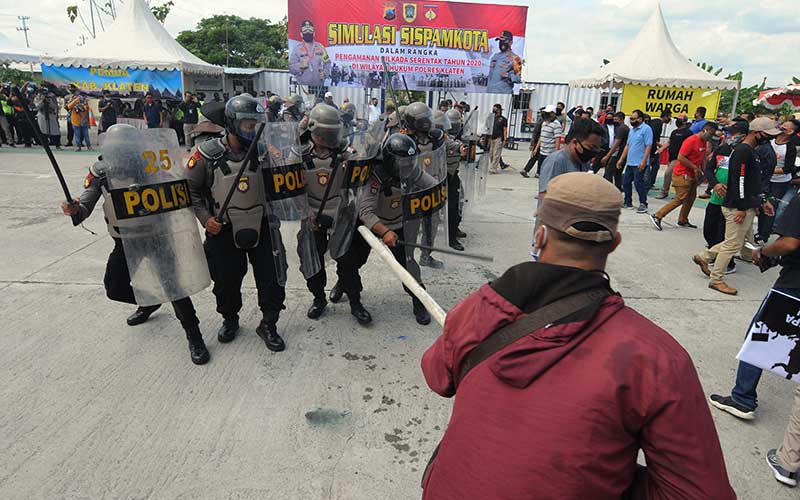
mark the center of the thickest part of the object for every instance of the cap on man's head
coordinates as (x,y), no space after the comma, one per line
(583,206)
(505,36)
(549,109)
(766,125)
(306,27)
(328,94)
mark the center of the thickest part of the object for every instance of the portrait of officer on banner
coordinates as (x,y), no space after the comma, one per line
(309,62)
(505,67)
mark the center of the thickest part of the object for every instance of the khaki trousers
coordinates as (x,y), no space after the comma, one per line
(735,235)
(789,452)
(495,151)
(685,194)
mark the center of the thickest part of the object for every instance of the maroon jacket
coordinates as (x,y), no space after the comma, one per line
(562,413)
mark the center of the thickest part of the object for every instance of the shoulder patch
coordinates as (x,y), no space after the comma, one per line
(196,156)
(88,181)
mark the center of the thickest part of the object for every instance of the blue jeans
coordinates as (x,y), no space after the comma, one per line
(82,132)
(634,177)
(747,375)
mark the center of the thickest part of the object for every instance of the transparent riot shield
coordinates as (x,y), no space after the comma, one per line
(285,185)
(150,195)
(482,173)
(364,147)
(425,208)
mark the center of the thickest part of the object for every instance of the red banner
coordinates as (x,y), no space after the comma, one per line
(468,47)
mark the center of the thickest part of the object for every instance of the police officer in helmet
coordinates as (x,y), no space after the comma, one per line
(325,158)
(244,232)
(274,105)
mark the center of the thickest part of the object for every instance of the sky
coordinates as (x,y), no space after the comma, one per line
(565,39)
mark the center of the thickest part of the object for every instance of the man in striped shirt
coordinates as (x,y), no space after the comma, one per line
(548,139)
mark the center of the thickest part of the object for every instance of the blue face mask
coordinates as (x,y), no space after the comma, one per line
(246,138)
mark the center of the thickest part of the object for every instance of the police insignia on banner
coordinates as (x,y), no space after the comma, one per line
(389,11)
(409,12)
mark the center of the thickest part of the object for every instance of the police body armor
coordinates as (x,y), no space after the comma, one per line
(390,206)
(318,175)
(424,201)
(148,204)
(247,207)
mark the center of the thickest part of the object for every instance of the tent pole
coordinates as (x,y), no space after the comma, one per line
(735,100)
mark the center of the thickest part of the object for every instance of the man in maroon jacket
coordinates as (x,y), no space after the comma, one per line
(562,412)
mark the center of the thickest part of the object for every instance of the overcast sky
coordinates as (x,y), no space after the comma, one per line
(565,38)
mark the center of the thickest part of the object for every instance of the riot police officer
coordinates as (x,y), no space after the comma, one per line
(455,150)
(244,231)
(325,158)
(274,105)
(293,109)
(348,114)
(117,279)
(381,208)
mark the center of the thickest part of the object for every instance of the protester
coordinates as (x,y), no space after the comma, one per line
(46,104)
(374,110)
(535,134)
(613,172)
(657,125)
(108,112)
(572,343)
(742,199)
(190,107)
(784,153)
(699,120)
(79,118)
(548,140)
(634,160)
(691,159)
(676,138)
(153,112)
(329,100)
(498,137)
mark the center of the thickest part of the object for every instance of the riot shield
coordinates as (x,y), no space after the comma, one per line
(284,182)
(482,173)
(150,196)
(364,147)
(425,206)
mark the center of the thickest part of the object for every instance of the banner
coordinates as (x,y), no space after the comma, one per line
(129,81)
(680,101)
(773,342)
(465,47)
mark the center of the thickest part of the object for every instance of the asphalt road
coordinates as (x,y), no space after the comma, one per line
(94,409)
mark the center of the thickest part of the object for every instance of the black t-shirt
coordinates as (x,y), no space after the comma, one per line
(621,135)
(109,116)
(676,139)
(189,111)
(500,123)
(657,126)
(789,225)
(744,179)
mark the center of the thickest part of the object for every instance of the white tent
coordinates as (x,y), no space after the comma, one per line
(10,54)
(652,59)
(136,39)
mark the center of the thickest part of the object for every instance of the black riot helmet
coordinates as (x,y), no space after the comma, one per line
(274,104)
(417,117)
(441,121)
(348,112)
(399,157)
(242,113)
(455,122)
(325,125)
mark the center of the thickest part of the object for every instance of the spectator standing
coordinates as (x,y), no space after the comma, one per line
(699,120)
(6,118)
(190,107)
(152,112)
(676,138)
(613,173)
(560,116)
(548,142)
(374,110)
(657,125)
(514,432)
(537,132)
(108,112)
(691,160)
(498,131)
(79,117)
(73,92)
(329,100)
(634,159)
(742,200)
(785,148)
(46,104)
(790,138)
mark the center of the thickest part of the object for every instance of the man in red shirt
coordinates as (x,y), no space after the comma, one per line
(684,177)
(561,411)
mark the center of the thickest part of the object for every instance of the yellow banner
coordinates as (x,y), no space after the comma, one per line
(654,100)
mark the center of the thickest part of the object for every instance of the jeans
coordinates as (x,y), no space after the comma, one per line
(747,376)
(634,177)
(82,132)
(652,170)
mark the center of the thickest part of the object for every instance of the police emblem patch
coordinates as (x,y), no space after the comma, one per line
(88,181)
(427,161)
(322,178)
(193,160)
(395,203)
(409,12)
(389,11)
(244,185)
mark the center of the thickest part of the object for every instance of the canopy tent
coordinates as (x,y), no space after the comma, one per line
(775,98)
(652,59)
(136,40)
(10,54)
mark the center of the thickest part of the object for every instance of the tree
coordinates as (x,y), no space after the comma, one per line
(16,76)
(161,11)
(234,41)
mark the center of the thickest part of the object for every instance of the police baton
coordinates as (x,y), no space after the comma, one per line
(248,159)
(391,89)
(466,255)
(46,145)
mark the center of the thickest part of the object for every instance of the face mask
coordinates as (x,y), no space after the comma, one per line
(246,138)
(308,37)
(586,155)
(503,47)
(763,140)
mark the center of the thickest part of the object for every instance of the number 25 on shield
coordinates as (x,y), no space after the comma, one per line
(150,157)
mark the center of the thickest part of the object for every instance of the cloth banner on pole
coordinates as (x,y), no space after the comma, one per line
(654,100)
(435,45)
(773,340)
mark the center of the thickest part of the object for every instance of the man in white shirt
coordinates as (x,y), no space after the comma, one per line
(374,110)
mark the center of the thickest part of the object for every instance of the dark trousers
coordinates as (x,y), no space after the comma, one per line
(347,266)
(24,132)
(535,160)
(453,212)
(70,132)
(634,177)
(55,140)
(406,259)
(652,171)
(177,126)
(765,222)
(613,174)
(228,267)
(117,281)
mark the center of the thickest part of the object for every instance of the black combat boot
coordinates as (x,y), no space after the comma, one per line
(268,331)
(357,309)
(317,307)
(420,313)
(197,348)
(142,314)
(227,332)
(425,259)
(336,293)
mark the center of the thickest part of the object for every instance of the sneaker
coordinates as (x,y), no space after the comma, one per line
(661,196)
(704,196)
(727,404)
(703,263)
(723,287)
(524,174)
(781,474)
(536,176)
(627,206)
(656,221)
(642,209)
(731,269)
(687,224)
